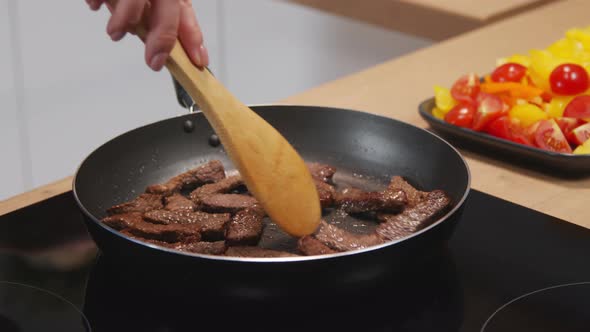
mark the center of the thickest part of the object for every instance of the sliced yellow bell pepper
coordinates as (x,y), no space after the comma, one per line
(567,48)
(583,149)
(542,64)
(581,35)
(527,114)
(438,113)
(443,99)
(557,105)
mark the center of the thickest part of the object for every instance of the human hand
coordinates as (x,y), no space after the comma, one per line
(168,20)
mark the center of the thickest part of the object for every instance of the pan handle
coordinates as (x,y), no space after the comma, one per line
(183,97)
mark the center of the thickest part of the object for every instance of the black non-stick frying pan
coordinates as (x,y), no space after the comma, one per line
(355,142)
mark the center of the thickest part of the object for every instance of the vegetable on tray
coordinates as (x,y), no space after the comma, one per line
(541,99)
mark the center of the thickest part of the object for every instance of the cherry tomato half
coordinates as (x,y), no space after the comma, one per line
(580,134)
(549,137)
(466,88)
(461,115)
(508,72)
(504,127)
(567,125)
(520,134)
(499,127)
(578,108)
(568,79)
(489,108)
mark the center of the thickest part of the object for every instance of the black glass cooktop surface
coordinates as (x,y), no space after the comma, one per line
(506,268)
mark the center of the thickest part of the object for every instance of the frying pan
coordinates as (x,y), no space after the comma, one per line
(366,149)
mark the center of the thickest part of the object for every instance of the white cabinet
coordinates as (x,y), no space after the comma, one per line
(12,151)
(81,89)
(274,49)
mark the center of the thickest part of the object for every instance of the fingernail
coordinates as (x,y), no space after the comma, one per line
(203,55)
(158,61)
(92,4)
(197,55)
(117,35)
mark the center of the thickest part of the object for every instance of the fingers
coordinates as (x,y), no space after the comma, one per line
(94,4)
(125,16)
(168,21)
(191,36)
(162,32)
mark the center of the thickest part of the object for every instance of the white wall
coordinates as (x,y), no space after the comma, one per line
(65,88)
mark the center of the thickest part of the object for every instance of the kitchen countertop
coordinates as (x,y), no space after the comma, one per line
(433,19)
(395,88)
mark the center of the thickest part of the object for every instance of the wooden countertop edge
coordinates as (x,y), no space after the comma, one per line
(401,16)
(518,10)
(433,22)
(36,195)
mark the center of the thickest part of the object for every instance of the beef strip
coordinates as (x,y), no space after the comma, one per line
(221,187)
(412,219)
(211,225)
(245,227)
(358,201)
(134,224)
(177,202)
(341,240)
(208,248)
(142,203)
(246,251)
(124,220)
(414,195)
(310,246)
(210,172)
(201,247)
(231,203)
(321,172)
(166,217)
(326,193)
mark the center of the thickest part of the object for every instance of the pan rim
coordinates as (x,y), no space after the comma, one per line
(295,259)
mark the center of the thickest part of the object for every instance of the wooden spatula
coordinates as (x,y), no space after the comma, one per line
(271,168)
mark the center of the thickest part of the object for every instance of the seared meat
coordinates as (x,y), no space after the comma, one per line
(177,202)
(221,187)
(245,227)
(414,195)
(210,172)
(231,203)
(412,219)
(142,203)
(341,240)
(357,201)
(246,251)
(321,172)
(211,225)
(124,220)
(134,224)
(210,248)
(219,209)
(165,217)
(309,246)
(326,193)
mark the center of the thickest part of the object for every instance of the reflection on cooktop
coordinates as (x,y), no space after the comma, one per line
(498,252)
(561,308)
(426,298)
(25,308)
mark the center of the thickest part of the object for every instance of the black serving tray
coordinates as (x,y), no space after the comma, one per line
(558,164)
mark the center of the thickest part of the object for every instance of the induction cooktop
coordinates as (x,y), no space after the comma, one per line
(506,268)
